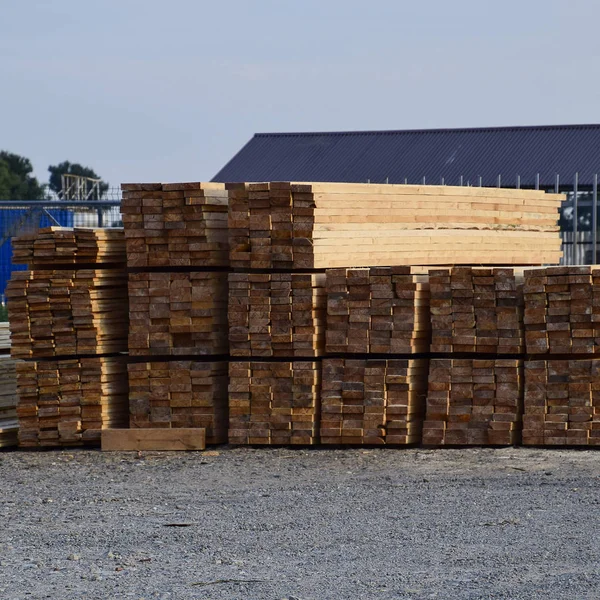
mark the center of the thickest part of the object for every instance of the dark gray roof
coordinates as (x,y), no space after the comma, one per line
(359,156)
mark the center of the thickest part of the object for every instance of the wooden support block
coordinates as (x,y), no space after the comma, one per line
(121,440)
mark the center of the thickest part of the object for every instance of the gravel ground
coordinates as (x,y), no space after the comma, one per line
(300,524)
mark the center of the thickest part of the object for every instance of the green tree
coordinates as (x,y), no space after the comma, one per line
(68,168)
(16,179)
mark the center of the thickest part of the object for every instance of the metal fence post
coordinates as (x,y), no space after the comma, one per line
(575,221)
(595,219)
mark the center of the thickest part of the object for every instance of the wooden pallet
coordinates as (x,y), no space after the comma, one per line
(474,402)
(287,225)
(9,425)
(51,247)
(562,310)
(477,310)
(277,314)
(179,394)
(178,314)
(562,402)
(175,224)
(274,402)
(67,312)
(378,310)
(67,402)
(120,440)
(373,401)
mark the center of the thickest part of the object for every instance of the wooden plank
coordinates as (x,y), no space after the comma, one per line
(123,440)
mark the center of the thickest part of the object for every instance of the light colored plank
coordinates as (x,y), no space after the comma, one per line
(120,440)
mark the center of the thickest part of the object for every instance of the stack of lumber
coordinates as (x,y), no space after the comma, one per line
(562,402)
(180,394)
(67,312)
(67,402)
(175,224)
(474,401)
(274,402)
(381,310)
(373,401)
(177,313)
(286,225)
(53,246)
(4,338)
(277,314)
(9,424)
(562,310)
(477,309)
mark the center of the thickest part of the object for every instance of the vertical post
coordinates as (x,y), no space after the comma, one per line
(518,182)
(461,181)
(423,179)
(537,181)
(387,180)
(406,181)
(557,183)
(575,220)
(595,219)
(499,181)
(443,181)
(100,218)
(480,181)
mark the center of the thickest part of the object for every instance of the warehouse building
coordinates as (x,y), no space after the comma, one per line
(563,158)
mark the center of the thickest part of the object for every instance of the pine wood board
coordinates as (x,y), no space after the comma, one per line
(120,440)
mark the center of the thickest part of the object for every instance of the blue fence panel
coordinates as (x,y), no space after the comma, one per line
(16,221)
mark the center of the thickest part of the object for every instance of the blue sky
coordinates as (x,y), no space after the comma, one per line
(148,90)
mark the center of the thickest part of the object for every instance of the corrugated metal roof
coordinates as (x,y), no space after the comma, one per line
(358,156)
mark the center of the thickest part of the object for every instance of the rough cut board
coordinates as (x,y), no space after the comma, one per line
(121,440)
(562,402)
(562,310)
(381,310)
(175,225)
(277,314)
(477,309)
(474,401)
(372,401)
(288,225)
(67,246)
(178,314)
(67,312)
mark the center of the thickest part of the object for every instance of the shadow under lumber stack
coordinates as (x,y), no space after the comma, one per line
(178,258)
(68,319)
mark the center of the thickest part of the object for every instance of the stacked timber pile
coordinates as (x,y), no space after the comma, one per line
(284,225)
(476,309)
(67,312)
(474,401)
(68,402)
(274,402)
(381,310)
(68,319)
(175,224)
(177,313)
(9,425)
(562,309)
(52,246)
(562,402)
(178,259)
(373,401)
(277,314)
(175,394)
